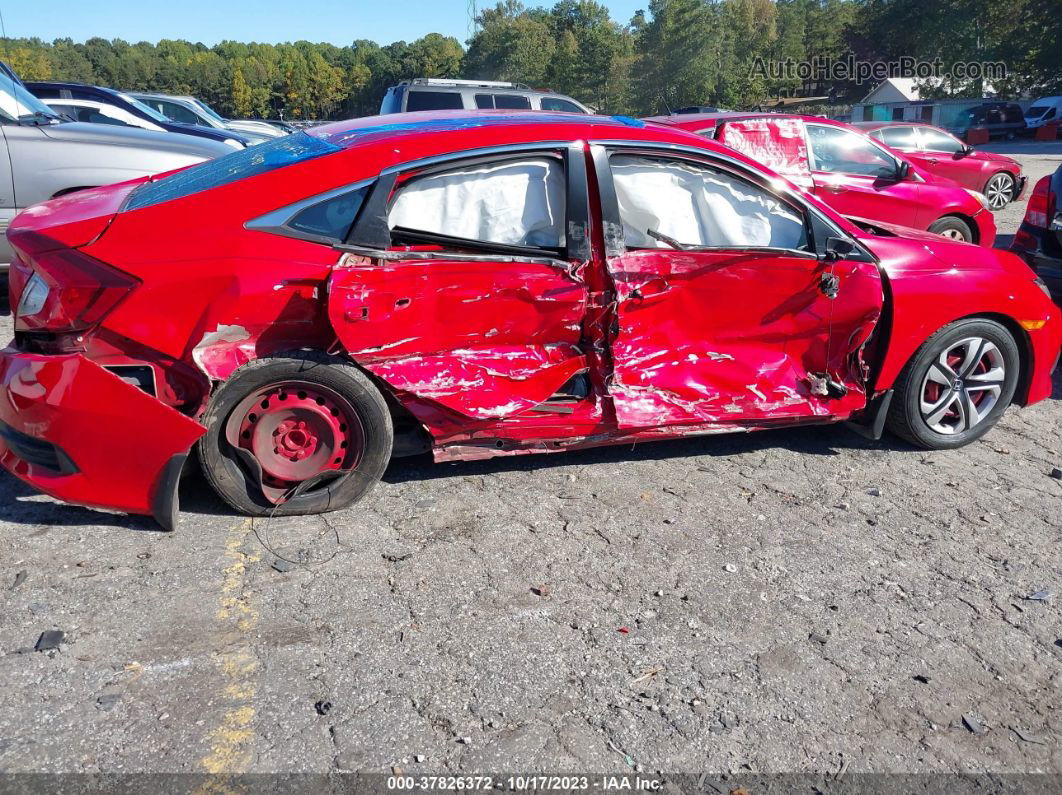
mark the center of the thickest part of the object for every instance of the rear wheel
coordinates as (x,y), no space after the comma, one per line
(999,190)
(957,385)
(952,228)
(295,434)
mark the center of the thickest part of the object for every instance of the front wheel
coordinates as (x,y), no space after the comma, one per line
(999,190)
(296,434)
(952,228)
(957,386)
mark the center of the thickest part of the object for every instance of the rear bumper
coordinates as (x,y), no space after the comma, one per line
(71,429)
(1048,266)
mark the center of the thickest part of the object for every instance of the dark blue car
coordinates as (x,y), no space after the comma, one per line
(51,91)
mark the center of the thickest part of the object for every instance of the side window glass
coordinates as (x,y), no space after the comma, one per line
(179,113)
(898,137)
(694,205)
(518,202)
(484,101)
(936,141)
(434,100)
(563,105)
(835,149)
(331,218)
(511,102)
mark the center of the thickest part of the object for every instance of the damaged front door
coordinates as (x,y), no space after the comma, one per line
(475,301)
(726,314)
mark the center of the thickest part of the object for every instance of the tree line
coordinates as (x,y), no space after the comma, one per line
(674,53)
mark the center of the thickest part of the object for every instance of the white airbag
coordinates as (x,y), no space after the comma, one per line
(517,202)
(698,207)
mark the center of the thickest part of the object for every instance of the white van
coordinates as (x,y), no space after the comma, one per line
(1043,111)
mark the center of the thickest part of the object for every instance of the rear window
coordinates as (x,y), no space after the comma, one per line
(249,162)
(511,102)
(434,100)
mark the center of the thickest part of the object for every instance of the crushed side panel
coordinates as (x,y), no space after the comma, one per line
(730,338)
(484,340)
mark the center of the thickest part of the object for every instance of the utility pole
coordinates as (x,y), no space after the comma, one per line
(473,24)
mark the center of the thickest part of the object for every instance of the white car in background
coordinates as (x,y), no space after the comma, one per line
(190,110)
(93,112)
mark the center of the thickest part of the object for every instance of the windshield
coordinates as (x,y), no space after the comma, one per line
(1036,111)
(150,111)
(18,104)
(209,111)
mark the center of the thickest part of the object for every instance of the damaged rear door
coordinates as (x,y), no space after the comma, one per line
(463,286)
(727,311)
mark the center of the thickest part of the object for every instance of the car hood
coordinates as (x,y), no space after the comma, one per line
(174,143)
(902,251)
(994,157)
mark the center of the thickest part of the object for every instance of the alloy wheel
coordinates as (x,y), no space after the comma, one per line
(999,190)
(953,234)
(962,385)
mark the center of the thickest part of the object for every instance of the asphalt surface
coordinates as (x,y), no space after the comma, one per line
(786,601)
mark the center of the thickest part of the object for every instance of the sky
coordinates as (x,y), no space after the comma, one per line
(269,21)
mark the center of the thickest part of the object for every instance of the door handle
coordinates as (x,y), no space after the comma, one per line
(835,188)
(933,160)
(654,285)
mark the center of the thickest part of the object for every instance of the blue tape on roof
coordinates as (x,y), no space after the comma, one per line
(244,163)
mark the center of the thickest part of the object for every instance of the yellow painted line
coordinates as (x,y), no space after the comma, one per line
(232,740)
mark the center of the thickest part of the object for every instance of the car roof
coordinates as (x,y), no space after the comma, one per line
(58,84)
(694,121)
(427,123)
(155,94)
(877,125)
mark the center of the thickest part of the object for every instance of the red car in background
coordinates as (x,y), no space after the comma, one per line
(997,176)
(854,174)
(478,284)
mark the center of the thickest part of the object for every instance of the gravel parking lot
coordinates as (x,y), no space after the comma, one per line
(787,601)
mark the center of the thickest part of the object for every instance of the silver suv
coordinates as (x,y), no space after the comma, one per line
(43,155)
(425,93)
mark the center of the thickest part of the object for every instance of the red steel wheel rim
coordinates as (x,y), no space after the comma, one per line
(296,431)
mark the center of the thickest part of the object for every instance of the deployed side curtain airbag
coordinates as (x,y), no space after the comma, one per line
(515,202)
(698,206)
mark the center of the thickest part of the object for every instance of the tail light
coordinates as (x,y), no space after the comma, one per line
(67,291)
(1040,204)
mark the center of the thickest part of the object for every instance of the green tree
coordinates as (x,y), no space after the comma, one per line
(241,94)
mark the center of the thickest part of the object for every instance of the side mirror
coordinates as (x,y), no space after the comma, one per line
(902,170)
(966,150)
(838,248)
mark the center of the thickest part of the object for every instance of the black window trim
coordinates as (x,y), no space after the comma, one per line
(276,221)
(371,235)
(615,244)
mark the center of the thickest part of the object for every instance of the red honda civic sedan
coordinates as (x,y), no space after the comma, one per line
(996,176)
(474,285)
(854,174)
